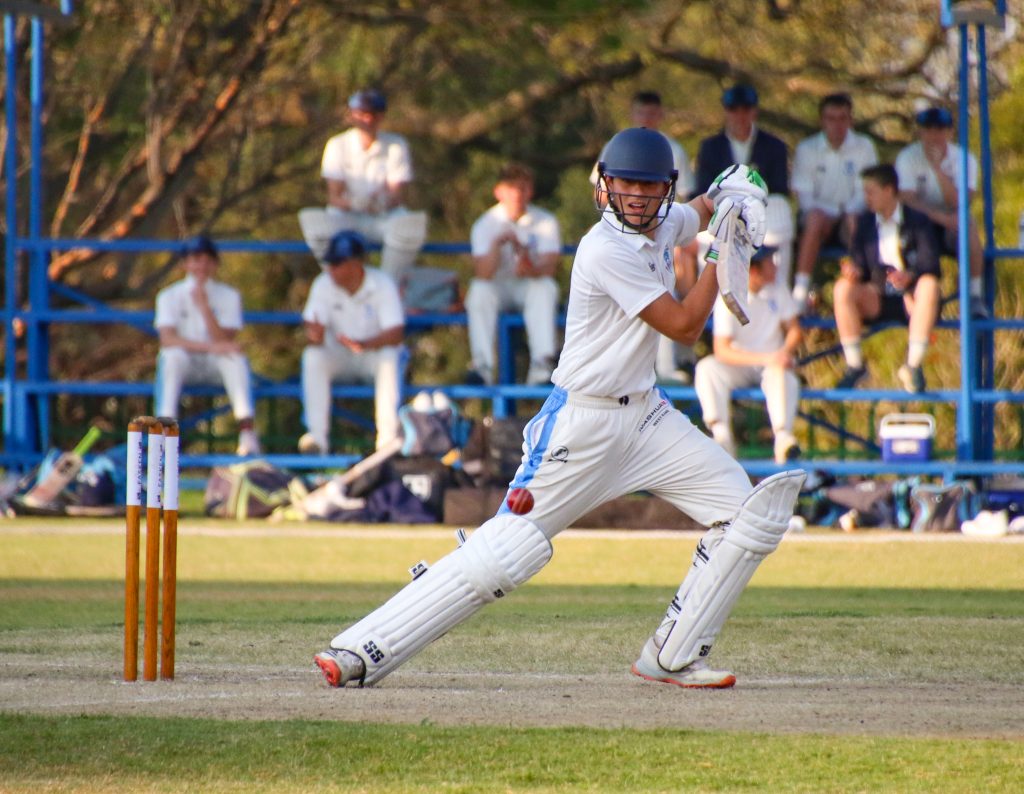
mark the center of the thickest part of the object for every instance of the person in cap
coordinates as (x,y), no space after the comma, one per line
(929,177)
(826,180)
(354,330)
(761,353)
(742,141)
(368,172)
(198,320)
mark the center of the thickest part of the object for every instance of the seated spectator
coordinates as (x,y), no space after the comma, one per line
(741,141)
(368,173)
(354,327)
(675,362)
(893,274)
(198,320)
(516,247)
(761,352)
(929,172)
(826,180)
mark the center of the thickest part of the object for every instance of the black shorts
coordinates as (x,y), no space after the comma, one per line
(893,310)
(948,239)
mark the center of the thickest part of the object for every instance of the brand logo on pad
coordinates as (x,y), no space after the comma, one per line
(376,654)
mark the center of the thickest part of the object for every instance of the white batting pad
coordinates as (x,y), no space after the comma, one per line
(755,533)
(502,554)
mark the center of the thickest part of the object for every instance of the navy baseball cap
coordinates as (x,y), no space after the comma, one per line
(200,245)
(739,96)
(762,253)
(345,245)
(935,117)
(369,100)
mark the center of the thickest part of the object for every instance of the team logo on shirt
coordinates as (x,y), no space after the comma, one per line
(560,454)
(667,257)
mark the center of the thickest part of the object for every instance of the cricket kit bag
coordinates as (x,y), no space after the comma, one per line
(253,489)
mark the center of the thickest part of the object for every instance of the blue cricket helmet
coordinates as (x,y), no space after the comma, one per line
(345,245)
(641,155)
(638,153)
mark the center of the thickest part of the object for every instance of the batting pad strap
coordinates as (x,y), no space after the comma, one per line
(502,554)
(755,533)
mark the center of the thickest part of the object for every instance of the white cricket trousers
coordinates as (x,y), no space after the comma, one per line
(714,382)
(177,366)
(401,232)
(324,364)
(580,452)
(536,298)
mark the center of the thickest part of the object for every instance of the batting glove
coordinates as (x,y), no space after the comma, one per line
(738,181)
(749,211)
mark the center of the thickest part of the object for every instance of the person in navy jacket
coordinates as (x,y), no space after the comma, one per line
(741,141)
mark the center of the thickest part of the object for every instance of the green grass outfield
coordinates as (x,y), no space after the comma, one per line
(879,609)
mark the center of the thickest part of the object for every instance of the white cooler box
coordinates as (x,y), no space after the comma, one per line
(907,437)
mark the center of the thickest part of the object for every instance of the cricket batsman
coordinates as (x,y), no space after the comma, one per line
(606,431)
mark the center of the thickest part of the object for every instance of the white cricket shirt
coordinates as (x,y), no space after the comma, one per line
(609,351)
(176,309)
(375,306)
(366,172)
(536,229)
(829,179)
(767,309)
(916,174)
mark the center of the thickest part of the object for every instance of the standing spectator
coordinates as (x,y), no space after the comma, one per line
(894,275)
(826,180)
(355,327)
(742,142)
(368,173)
(761,352)
(198,320)
(929,172)
(516,247)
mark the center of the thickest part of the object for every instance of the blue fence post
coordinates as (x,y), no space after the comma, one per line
(36,422)
(985,418)
(965,418)
(10,249)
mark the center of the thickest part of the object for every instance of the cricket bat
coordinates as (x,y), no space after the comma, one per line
(64,470)
(733,269)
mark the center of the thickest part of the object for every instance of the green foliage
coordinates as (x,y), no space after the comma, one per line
(164,119)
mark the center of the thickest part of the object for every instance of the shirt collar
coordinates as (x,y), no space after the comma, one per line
(748,142)
(897,216)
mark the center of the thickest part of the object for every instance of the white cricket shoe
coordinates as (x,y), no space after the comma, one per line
(696,675)
(340,667)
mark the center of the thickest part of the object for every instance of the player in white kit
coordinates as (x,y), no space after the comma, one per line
(606,431)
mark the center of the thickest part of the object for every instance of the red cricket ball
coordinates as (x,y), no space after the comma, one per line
(519,501)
